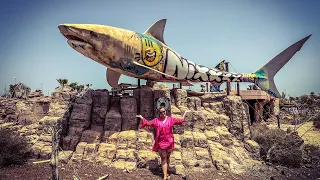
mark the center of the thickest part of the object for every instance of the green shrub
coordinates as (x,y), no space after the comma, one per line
(13,148)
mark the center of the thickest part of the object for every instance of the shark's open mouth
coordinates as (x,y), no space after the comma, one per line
(75,38)
(79,44)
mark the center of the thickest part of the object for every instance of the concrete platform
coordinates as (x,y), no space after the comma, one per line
(252,94)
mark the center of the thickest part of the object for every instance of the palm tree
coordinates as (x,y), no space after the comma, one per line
(19,90)
(77,87)
(88,85)
(80,88)
(62,82)
(313,95)
(73,85)
(291,99)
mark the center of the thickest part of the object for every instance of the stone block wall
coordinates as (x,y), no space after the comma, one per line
(103,129)
(212,135)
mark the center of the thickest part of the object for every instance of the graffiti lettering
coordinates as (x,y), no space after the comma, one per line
(176,66)
(215,76)
(271,93)
(226,77)
(248,78)
(201,73)
(191,69)
(183,69)
(236,77)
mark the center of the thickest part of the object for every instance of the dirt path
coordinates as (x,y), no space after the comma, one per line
(92,172)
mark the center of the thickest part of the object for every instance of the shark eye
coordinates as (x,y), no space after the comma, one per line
(93,34)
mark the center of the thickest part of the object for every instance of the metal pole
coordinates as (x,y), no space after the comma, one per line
(139,83)
(238,89)
(228,83)
(278,120)
(207,87)
(56,129)
(180,85)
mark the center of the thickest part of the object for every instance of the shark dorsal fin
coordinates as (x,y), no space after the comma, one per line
(157,29)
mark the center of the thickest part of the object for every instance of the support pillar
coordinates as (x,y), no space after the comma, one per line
(228,83)
(238,89)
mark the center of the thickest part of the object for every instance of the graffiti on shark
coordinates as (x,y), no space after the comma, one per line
(146,56)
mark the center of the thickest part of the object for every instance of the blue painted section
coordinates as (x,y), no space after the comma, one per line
(215,87)
(127,65)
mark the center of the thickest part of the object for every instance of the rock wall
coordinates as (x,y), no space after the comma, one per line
(113,117)
(103,129)
(100,105)
(146,102)
(128,107)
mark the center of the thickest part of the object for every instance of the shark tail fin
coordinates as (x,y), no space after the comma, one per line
(265,75)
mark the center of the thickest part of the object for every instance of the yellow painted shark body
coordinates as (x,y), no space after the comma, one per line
(146,56)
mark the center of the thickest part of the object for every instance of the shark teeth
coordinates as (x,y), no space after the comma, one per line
(79,44)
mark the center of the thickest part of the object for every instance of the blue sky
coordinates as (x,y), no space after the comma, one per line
(247,33)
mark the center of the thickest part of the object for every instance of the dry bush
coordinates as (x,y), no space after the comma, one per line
(278,146)
(14,148)
(311,155)
(316,121)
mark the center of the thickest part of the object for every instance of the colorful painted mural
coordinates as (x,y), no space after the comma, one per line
(216,87)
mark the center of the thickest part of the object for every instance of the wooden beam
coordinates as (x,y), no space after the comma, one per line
(39,162)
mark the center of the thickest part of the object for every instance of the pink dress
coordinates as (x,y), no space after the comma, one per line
(164,134)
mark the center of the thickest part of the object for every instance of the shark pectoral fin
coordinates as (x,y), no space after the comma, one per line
(112,78)
(157,29)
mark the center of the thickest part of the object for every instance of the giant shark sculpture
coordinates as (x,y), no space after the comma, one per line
(146,56)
